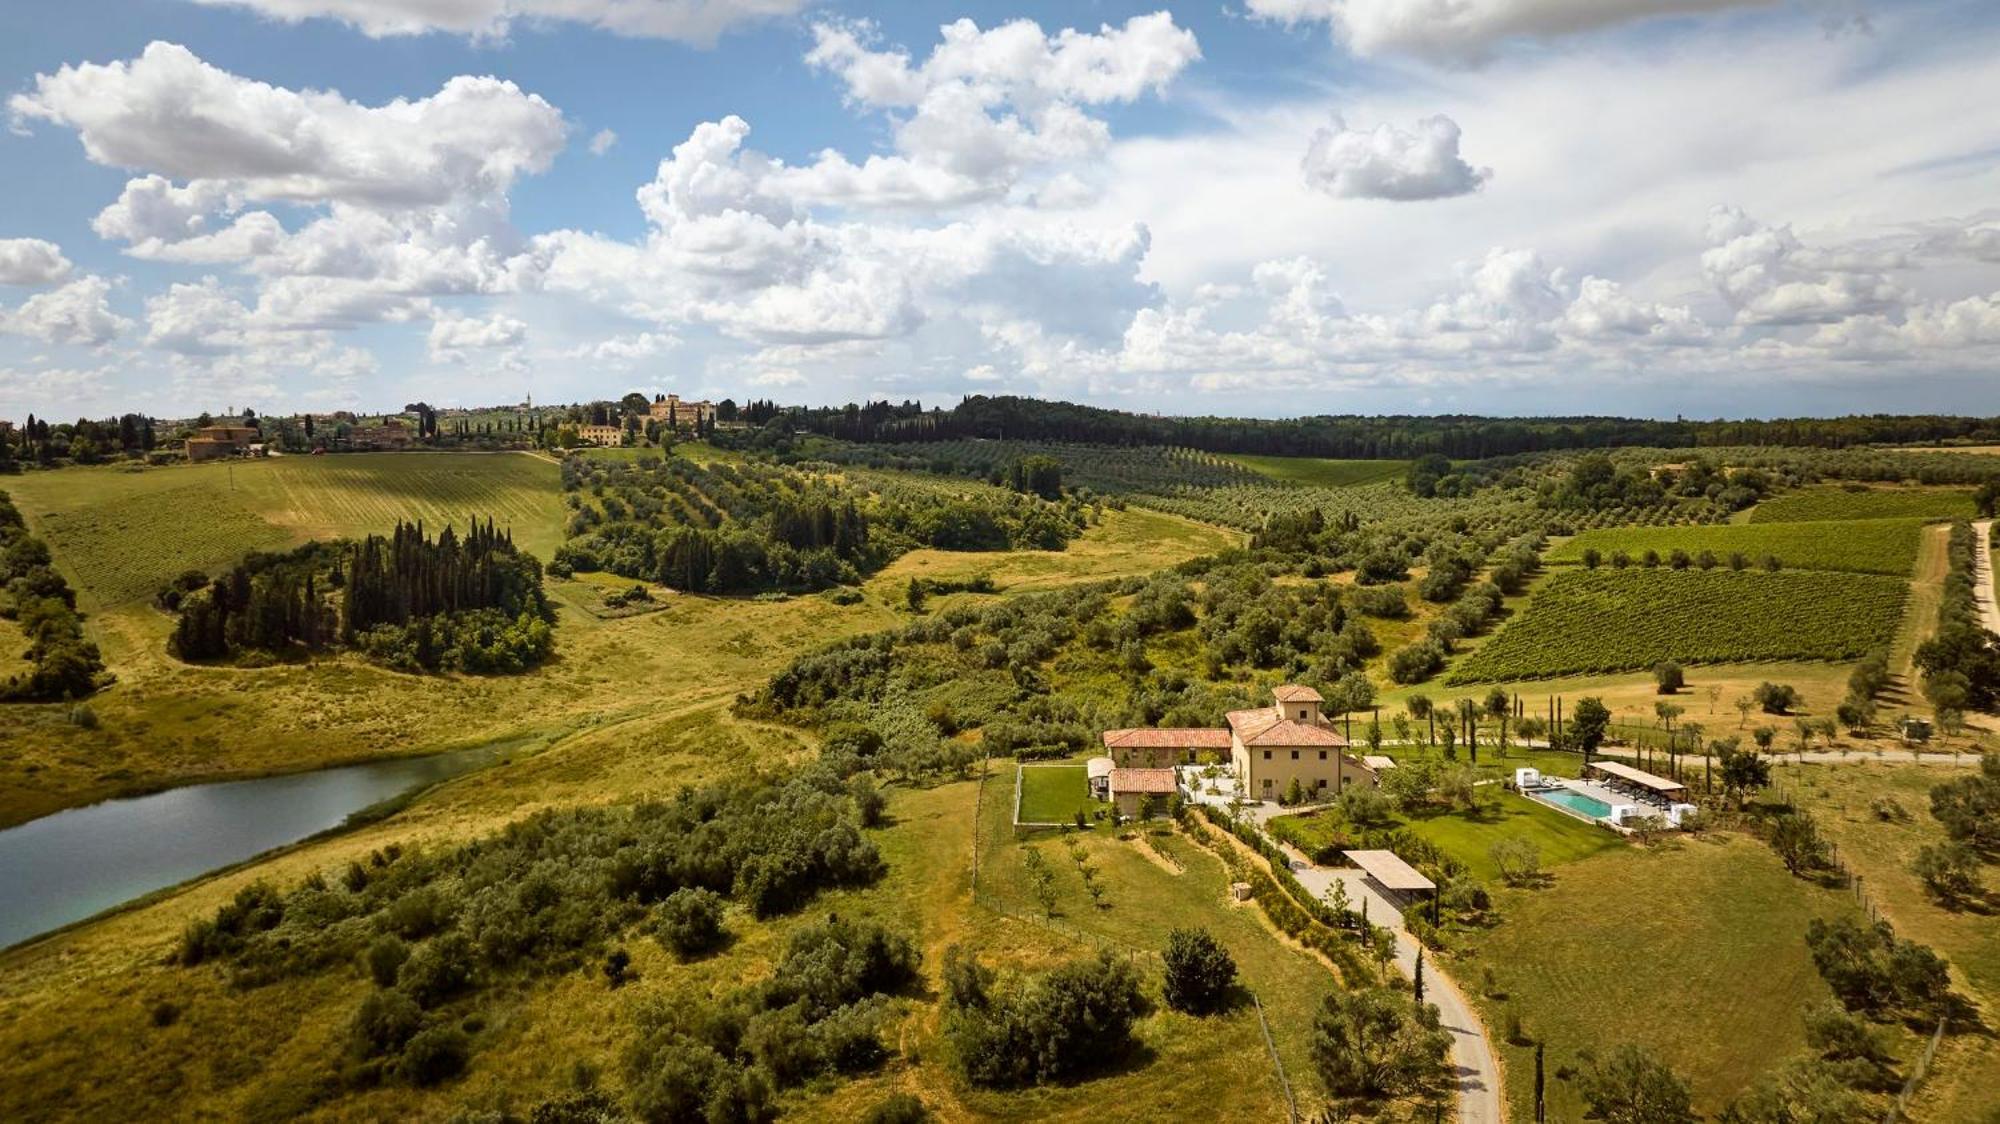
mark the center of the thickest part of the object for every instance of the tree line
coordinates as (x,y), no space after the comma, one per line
(62,664)
(1349,436)
(407,600)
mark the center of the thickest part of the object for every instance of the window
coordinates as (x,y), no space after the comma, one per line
(1267,782)
(1322,755)
(1267,756)
(1295,755)
(1302,715)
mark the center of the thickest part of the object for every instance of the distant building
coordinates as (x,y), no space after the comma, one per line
(681,414)
(1267,748)
(602,434)
(391,434)
(219,442)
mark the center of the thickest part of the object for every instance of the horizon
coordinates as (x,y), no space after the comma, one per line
(1275,208)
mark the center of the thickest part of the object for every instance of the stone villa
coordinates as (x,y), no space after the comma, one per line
(1267,748)
(679,414)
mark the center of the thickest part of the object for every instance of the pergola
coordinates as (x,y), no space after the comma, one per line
(1640,777)
(1392,873)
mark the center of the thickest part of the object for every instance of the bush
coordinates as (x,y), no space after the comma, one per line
(385,1021)
(1199,972)
(437,970)
(1054,1027)
(1668,678)
(690,922)
(433,1055)
(1775,698)
(385,959)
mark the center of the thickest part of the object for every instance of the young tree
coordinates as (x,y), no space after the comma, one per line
(1199,972)
(1950,871)
(1796,837)
(1518,858)
(1969,807)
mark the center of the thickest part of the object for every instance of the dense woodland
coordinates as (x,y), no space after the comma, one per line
(724,528)
(62,664)
(1393,437)
(408,601)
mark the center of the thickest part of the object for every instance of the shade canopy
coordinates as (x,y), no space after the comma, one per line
(1637,776)
(1390,871)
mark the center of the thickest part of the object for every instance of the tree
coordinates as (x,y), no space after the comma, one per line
(690,922)
(913,595)
(1668,678)
(1744,705)
(1796,837)
(1370,1045)
(1969,807)
(1199,972)
(1742,772)
(1588,724)
(1950,871)
(1775,698)
(1518,858)
(1630,1086)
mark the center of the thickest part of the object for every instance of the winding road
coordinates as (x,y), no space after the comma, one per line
(1472,1056)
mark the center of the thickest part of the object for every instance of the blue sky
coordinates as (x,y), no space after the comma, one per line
(1256,206)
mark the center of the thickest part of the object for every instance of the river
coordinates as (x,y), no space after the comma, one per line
(69,865)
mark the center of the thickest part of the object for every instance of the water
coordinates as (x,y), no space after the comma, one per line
(1576,802)
(67,866)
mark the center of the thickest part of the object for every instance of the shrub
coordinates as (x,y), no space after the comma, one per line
(1668,678)
(898,1108)
(1775,698)
(1199,972)
(385,959)
(1950,872)
(435,1054)
(1053,1027)
(385,1021)
(690,922)
(165,1013)
(437,970)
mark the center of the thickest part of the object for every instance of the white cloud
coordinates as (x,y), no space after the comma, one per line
(1389,163)
(172,113)
(626,350)
(31,261)
(1769,277)
(1459,31)
(699,22)
(78,312)
(601,142)
(453,336)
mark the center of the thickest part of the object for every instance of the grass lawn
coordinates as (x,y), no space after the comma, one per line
(1694,950)
(1469,837)
(1055,794)
(1966,1078)
(1321,472)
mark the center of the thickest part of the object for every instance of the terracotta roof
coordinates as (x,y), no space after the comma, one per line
(1292,692)
(1265,726)
(1153,738)
(1142,780)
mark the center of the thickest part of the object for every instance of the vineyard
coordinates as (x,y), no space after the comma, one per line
(1319,472)
(1873,546)
(1109,469)
(1818,504)
(125,549)
(1602,621)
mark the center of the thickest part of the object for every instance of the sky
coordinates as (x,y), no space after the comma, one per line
(1701,208)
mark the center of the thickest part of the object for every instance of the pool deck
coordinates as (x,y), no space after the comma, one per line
(1596,792)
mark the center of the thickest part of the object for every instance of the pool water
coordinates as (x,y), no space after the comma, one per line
(1576,802)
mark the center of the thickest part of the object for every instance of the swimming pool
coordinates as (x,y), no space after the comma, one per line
(1575,801)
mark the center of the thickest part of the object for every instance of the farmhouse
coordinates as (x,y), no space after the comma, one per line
(1290,740)
(1268,748)
(602,434)
(215,442)
(391,434)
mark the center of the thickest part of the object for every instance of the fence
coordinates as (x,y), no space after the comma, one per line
(1917,1074)
(1291,1103)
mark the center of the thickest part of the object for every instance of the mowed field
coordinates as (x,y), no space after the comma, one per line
(1868,546)
(1598,621)
(120,533)
(1695,950)
(1810,505)
(1321,472)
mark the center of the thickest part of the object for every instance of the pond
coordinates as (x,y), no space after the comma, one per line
(72,864)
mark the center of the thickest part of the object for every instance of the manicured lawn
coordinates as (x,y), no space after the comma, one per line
(1321,472)
(1694,950)
(1055,793)
(1469,838)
